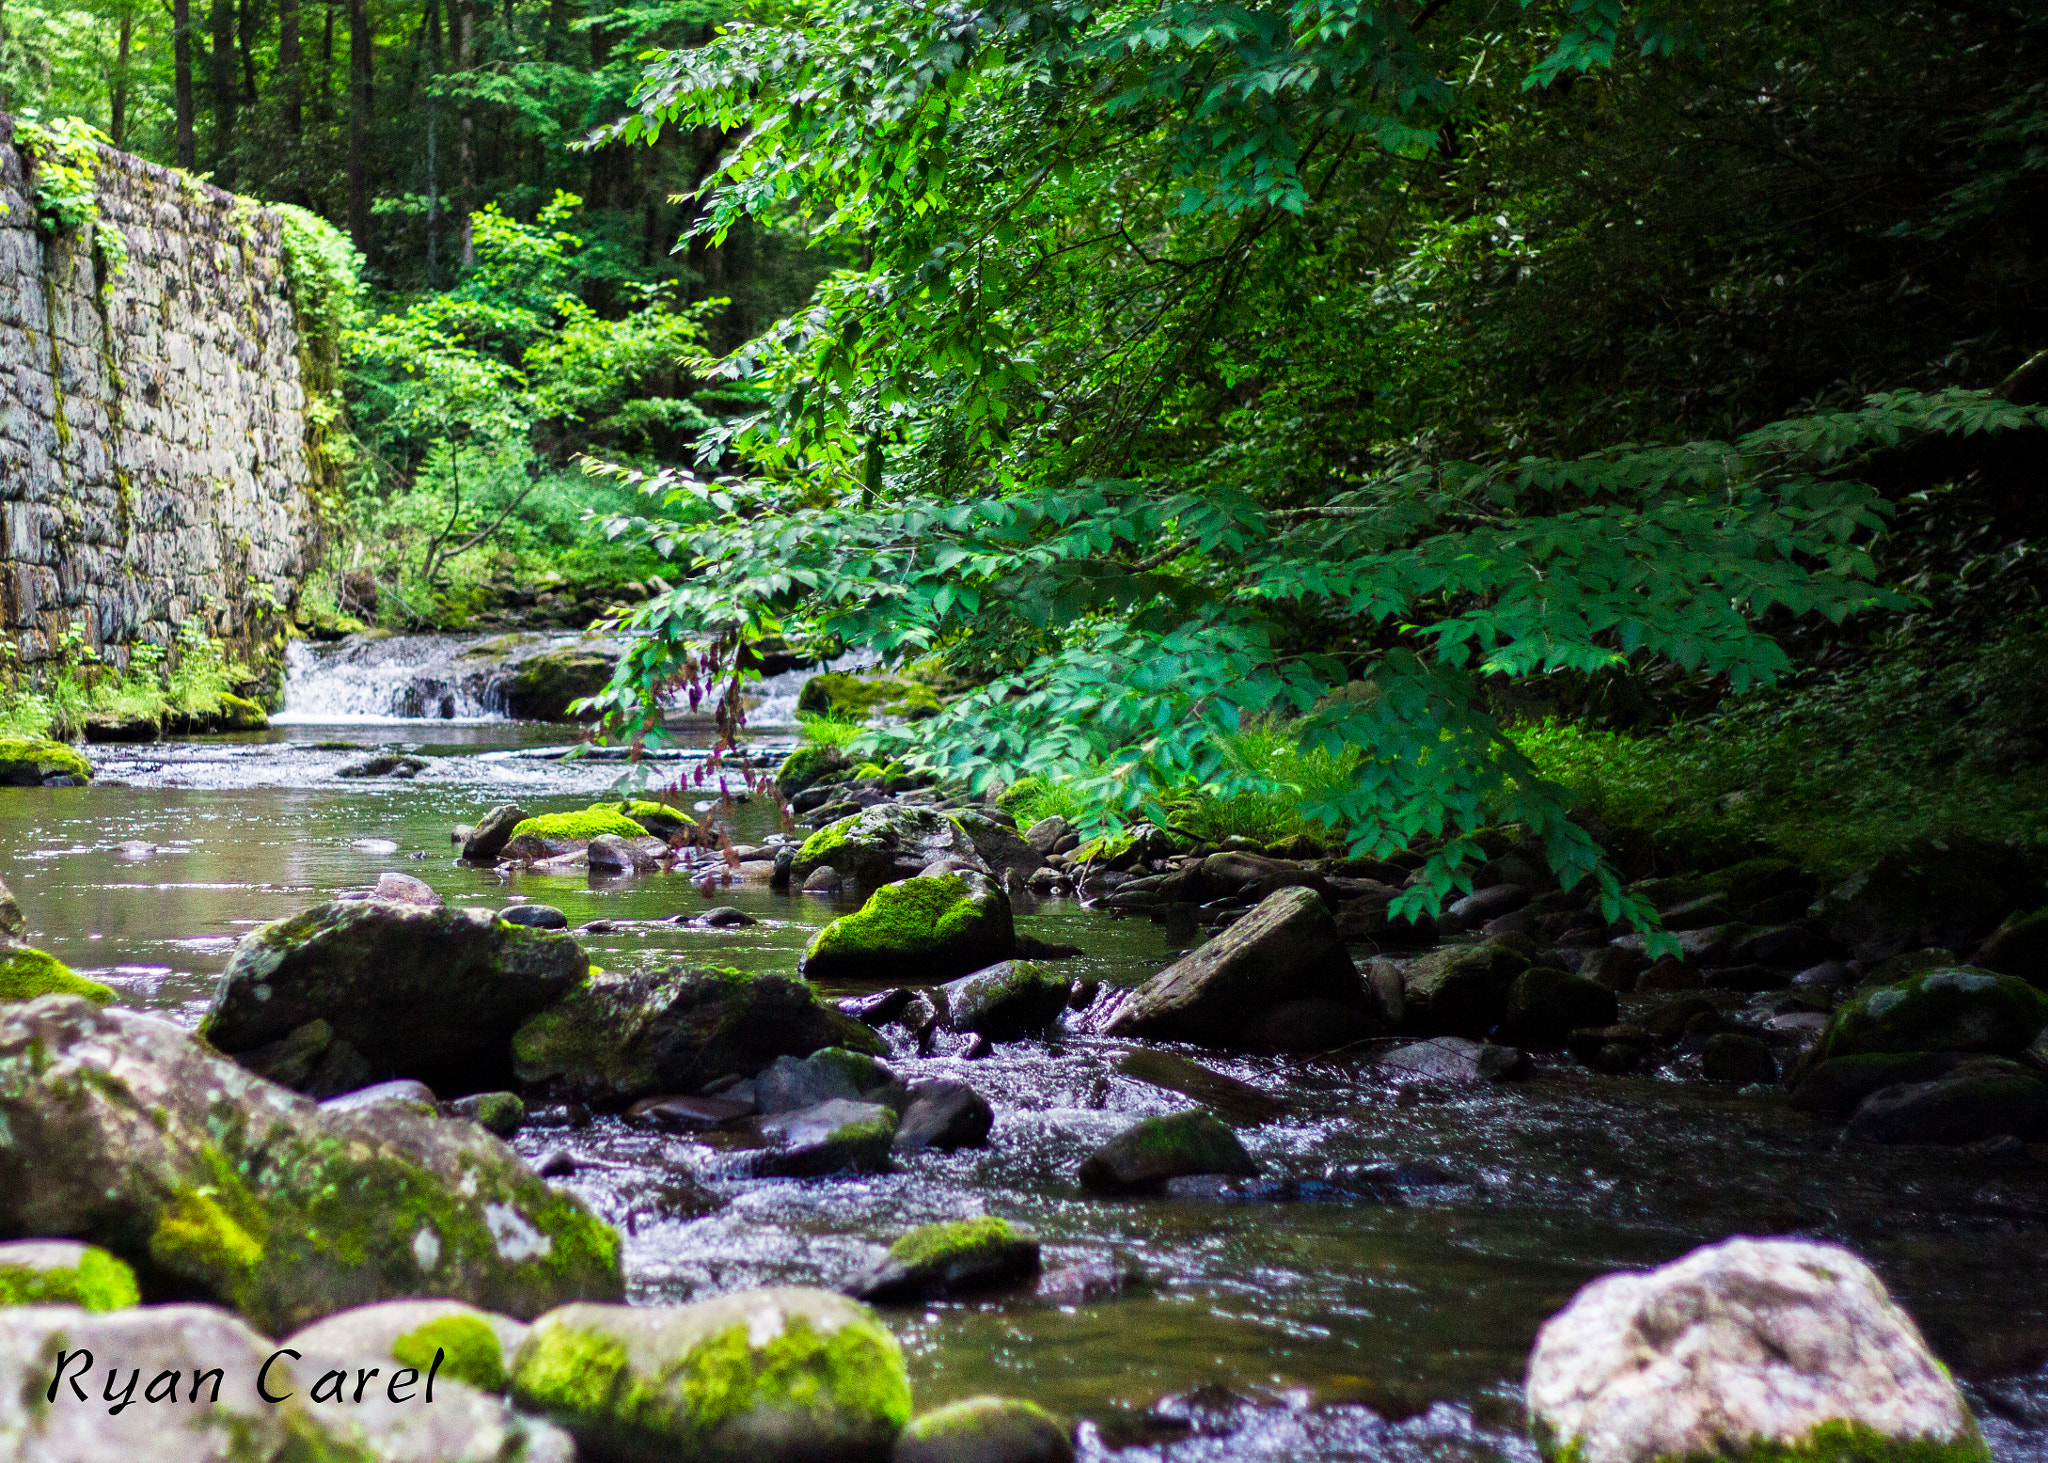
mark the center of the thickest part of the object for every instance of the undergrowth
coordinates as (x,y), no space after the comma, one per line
(57,697)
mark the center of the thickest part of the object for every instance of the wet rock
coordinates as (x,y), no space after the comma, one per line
(834,693)
(957,1258)
(1828,976)
(1840,1084)
(1002,851)
(884,843)
(26,973)
(724,917)
(404,1092)
(428,993)
(924,929)
(502,1113)
(13,923)
(552,837)
(944,1115)
(1482,905)
(1734,1057)
(1948,894)
(789,1084)
(477,1346)
(34,761)
(1005,1002)
(1953,1008)
(1545,1005)
(1614,967)
(1234,1101)
(805,766)
(1984,1097)
(1455,1059)
(1081,1284)
(383,764)
(308,1059)
(492,833)
(840,1136)
(534,916)
(57,1272)
(556,1163)
(1144,1156)
(129,1133)
(1613,1050)
(687,1114)
(986,1430)
(396,888)
(545,684)
(1462,990)
(623,1036)
(1751,1344)
(1047,834)
(1288,948)
(822,880)
(2019,947)
(786,1375)
(609,853)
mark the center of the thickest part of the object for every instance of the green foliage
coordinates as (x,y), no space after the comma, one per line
(56,697)
(323,269)
(830,729)
(65,182)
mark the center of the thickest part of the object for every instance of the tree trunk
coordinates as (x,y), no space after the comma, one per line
(247,18)
(117,103)
(291,79)
(433,39)
(181,63)
(222,79)
(360,98)
(464,18)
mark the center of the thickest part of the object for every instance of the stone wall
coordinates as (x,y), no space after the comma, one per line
(153,450)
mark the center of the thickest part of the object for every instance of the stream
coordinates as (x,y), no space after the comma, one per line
(1385,1311)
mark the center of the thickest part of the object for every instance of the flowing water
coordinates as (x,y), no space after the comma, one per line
(1384,1311)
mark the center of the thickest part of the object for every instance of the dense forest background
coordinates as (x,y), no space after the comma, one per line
(1334,277)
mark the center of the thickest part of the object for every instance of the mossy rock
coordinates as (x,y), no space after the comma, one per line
(1840,1084)
(576,829)
(1952,1008)
(986,1430)
(1145,1155)
(545,684)
(753,1377)
(26,761)
(840,1136)
(27,973)
(836,694)
(239,713)
(918,931)
(476,1346)
(136,1136)
(1006,1002)
(886,842)
(660,820)
(806,766)
(1461,990)
(54,1272)
(956,1258)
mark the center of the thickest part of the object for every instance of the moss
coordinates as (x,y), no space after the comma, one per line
(98,1282)
(1839,1441)
(881,1128)
(911,917)
(473,1353)
(820,846)
(591,823)
(195,1237)
(973,1416)
(834,694)
(805,766)
(26,974)
(935,1244)
(52,758)
(570,1371)
(658,819)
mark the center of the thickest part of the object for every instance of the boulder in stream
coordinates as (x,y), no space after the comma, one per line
(59,1272)
(476,1346)
(545,684)
(1983,1097)
(985,1430)
(839,1136)
(1145,1155)
(1944,893)
(944,1115)
(2019,947)
(955,1258)
(1747,1349)
(433,994)
(488,839)
(1005,1002)
(26,973)
(925,929)
(1948,1008)
(557,835)
(38,761)
(785,1375)
(128,1133)
(879,845)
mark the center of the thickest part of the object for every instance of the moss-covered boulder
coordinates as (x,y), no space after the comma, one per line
(919,931)
(789,1083)
(623,1036)
(1840,1084)
(1001,847)
(1461,990)
(544,685)
(128,1133)
(1287,949)
(840,1136)
(837,694)
(785,1375)
(884,843)
(476,1346)
(1005,1002)
(1984,1097)
(1955,1008)
(986,1430)
(1949,893)
(56,1272)
(433,994)
(553,834)
(27,761)
(1764,1350)
(660,820)
(803,767)
(956,1258)
(503,1113)
(1145,1155)
(26,973)
(1545,1005)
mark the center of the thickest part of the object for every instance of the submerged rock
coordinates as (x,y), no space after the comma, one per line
(923,929)
(1749,1348)
(1005,1002)
(879,845)
(56,1272)
(958,1258)
(1145,1155)
(433,994)
(127,1132)
(985,1430)
(786,1375)
(623,1036)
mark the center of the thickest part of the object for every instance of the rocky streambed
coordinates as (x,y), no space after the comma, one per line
(1424,1190)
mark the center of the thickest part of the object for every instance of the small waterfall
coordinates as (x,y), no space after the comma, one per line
(395,678)
(772,700)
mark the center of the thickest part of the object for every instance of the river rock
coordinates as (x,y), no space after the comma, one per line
(1984,1097)
(958,1258)
(502,1113)
(1950,1008)
(1732,1056)
(1005,1002)
(492,833)
(477,1347)
(545,684)
(127,1132)
(1949,894)
(1840,1084)
(403,1092)
(2019,947)
(879,845)
(1462,990)
(13,923)
(1048,833)
(1145,1155)
(433,994)
(822,880)
(610,854)
(557,836)
(1003,851)
(840,1136)
(534,916)
(1236,1102)
(383,764)
(622,1036)
(925,929)
(788,1084)
(1752,1344)
(1454,1059)
(26,973)
(397,888)
(985,1430)
(1545,1005)
(805,766)
(1614,967)
(944,1115)
(59,1272)
(674,1114)
(785,1375)
(1286,949)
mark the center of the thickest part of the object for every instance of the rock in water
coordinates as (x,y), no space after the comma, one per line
(786,1375)
(840,1136)
(1006,1002)
(492,834)
(621,1037)
(986,1430)
(884,843)
(1287,949)
(1461,990)
(476,1347)
(945,1115)
(951,1259)
(1748,1345)
(1144,1156)
(396,888)
(128,1133)
(1949,1008)
(1984,1097)
(433,994)
(920,930)
(58,1272)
